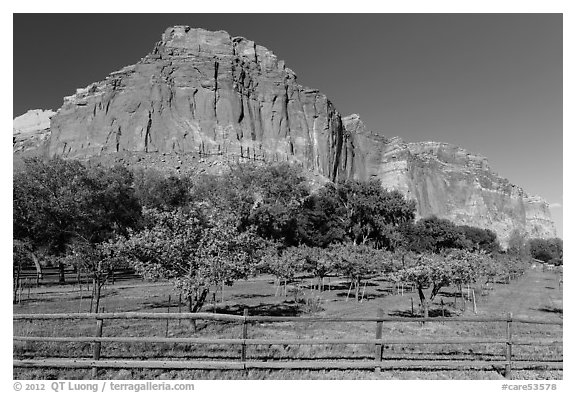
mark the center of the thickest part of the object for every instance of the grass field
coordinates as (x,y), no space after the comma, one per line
(534,295)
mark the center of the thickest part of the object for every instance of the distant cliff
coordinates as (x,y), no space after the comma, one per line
(203,96)
(31,130)
(449,182)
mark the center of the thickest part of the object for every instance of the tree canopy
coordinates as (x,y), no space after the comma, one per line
(57,201)
(547,250)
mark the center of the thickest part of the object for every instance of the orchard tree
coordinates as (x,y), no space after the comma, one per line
(511,266)
(284,264)
(317,261)
(193,250)
(360,262)
(167,249)
(98,261)
(463,265)
(229,254)
(428,272)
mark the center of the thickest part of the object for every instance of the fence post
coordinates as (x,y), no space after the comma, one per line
(412,304)
(179,307)
(97,346)
(508,369)
(442,304)
(244,335)
(168,319)
(378,347)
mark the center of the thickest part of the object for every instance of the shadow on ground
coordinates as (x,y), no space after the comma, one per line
(433,313)
(284,309)
(550,309)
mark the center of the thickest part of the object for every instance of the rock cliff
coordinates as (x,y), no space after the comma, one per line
(203,96)
(31,130)
(206,93)
(449,182)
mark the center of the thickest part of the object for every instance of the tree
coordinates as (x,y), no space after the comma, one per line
(160,191)
(60,201)
(193,250)
(284,264)
(428,271)
(547,250)
(488,269)
(319,221)
(480,239)
(21,256)
(464,267)
(98,261)
(359,262)
(317,261)
(518,245)
(369,212)
(229,254)
(166,249)
(432,234)
(266,197)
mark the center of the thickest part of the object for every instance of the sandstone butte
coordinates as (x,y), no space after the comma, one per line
(202,99)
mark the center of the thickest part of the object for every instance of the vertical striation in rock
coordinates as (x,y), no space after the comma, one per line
(214,97)
(449,182)
(203,92)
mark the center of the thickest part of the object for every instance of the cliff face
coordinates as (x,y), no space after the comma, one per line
(31,130)
(206,93)
(449,182)
(203,96)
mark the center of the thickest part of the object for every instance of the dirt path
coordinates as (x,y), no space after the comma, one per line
(535,295)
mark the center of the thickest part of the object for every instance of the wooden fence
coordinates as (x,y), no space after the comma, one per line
(243,363)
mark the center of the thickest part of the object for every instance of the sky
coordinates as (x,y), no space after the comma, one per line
(490,83)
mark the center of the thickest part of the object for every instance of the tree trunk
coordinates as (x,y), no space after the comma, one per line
(92,295)
(61,273)
(190,308)
(37,266)
(357,283)
(425,309)
(435,290)
(97,292)
(423,301)
(199,301)
(16,282)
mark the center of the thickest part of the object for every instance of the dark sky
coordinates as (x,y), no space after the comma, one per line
(491,83)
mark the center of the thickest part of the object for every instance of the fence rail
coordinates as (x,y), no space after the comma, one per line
(377,364)
(240,318)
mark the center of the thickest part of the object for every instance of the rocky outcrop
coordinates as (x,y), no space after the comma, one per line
(206,93)
(31,130)
(202,98)
(449,182)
